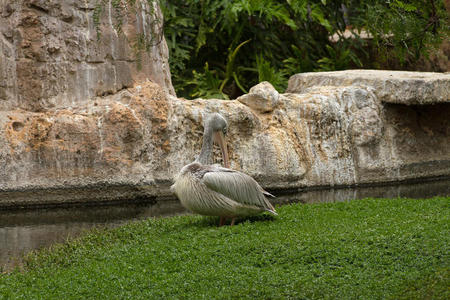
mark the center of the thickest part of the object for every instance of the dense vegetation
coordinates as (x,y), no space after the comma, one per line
(221,48)
(364,249)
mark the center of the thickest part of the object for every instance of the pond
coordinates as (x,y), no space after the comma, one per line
(25,229)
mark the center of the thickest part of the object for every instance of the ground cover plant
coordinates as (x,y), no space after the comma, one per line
(365,249)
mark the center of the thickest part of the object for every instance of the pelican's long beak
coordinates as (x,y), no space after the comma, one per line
(220,139)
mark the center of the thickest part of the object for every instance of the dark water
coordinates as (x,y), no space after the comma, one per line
(25,230)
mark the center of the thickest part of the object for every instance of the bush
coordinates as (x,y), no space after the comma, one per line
(221,48)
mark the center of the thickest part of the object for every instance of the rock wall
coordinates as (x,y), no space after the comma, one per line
(130,145)
(63,53)
(88,113)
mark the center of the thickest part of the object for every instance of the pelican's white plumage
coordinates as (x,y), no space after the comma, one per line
(216,191)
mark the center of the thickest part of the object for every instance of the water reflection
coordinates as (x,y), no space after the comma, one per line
(25,230)
(412,190)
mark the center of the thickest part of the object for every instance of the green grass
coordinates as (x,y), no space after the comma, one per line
(364,249)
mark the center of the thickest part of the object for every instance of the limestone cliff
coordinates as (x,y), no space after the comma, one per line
(64,53)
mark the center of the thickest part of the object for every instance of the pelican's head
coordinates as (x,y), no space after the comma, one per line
(216,122)
(219,126)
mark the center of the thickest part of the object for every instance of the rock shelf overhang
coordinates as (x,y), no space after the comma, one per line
(400,87)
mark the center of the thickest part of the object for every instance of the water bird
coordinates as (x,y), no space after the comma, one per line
(212,190)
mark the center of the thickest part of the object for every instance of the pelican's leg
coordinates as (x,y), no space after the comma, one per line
(222,221)
(232,221)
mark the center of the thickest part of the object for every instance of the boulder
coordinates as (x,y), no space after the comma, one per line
(409,88)
(263,97)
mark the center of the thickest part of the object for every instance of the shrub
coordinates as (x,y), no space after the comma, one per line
(221,48)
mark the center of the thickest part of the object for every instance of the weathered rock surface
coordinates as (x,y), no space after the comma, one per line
(263,97)
(88,113)
(131,144)
(400,87)
(64,53)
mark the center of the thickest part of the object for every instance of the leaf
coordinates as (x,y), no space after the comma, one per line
(266,72)
(317,14)
(238,83)
(230,64)
(206,84)
(405,6)
(201,37)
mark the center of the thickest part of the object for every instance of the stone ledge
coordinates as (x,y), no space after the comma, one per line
(77,196)
(400,87)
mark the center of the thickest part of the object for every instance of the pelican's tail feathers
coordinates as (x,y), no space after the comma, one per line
(272,211)
(268,194)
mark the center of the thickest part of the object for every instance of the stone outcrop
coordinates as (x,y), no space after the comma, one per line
(64,53)
(130,145)
(400,87)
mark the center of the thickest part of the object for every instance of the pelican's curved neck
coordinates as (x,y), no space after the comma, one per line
(205,155)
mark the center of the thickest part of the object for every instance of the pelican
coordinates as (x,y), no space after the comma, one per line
(213,190)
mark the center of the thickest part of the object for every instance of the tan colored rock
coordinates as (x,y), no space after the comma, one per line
(400,87)
(130,145)
(86,117)
(64,53)
(263,97)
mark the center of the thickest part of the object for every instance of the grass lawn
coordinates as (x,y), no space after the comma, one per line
(363,249)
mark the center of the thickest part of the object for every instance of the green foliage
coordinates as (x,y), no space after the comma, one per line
(206,84)
(363,249)
(338,59)
(287,37)
(96,18)
(266,72)
(230,66)
(407,29)
(119,10)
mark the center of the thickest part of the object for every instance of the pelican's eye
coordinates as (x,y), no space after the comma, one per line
(224,131)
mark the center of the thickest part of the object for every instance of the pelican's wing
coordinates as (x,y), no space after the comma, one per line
(172,189)
(237,186)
